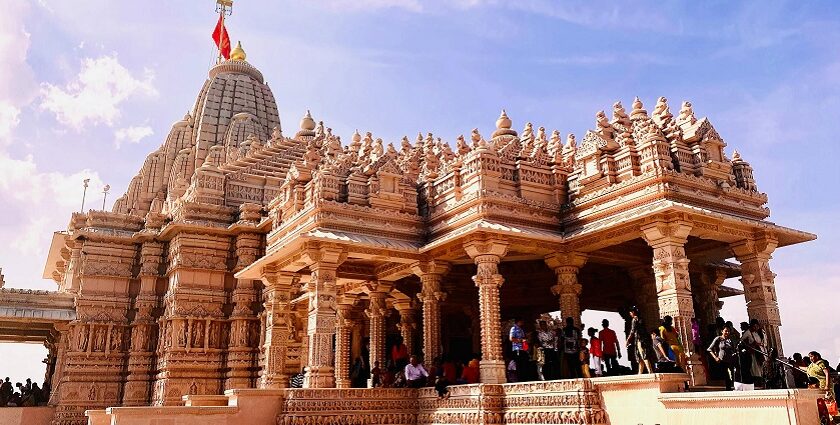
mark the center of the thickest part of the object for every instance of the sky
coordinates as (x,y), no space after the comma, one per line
(88,88)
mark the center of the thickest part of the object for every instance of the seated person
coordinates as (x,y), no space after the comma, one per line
(415,373)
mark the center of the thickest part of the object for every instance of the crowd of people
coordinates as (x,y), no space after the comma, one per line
(402,370)
(741,359)
(557,349)
(23,395)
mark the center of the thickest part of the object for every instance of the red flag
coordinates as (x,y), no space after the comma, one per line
(220,36)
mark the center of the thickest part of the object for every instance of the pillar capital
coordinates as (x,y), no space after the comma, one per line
(666,232)
(377,306)
(430,267)
(278,279)
(483,245)
(560,260)
(324,255)
(761,247)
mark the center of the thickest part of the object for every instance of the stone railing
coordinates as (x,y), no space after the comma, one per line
(630,400)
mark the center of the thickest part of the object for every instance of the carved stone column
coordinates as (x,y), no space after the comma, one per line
(138,386)
(673,286)
(322,316)
(243,346)
(487,253)
(759,285)
(645,294)
(343,328)
(377,312)
(705,286)
(62,344)
(242,355)
(408,323)
(431,274)
(193,311)
(279,327)
(567,265)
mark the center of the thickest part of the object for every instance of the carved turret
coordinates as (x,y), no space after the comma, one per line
(743,173)
(307,126)
(503,126)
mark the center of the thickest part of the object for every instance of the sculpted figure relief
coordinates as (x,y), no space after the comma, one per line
(99,339)
(83,338)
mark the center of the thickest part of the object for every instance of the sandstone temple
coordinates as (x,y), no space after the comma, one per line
(243,253)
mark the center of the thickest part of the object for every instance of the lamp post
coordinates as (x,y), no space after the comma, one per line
(105,193)
(85,183)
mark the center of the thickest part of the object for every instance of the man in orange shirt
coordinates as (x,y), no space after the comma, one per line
(610,350)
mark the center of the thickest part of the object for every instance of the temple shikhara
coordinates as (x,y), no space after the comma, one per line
(243,253)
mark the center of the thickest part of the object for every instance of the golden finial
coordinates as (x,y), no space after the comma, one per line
(503,122)
(307,123)
(237,54)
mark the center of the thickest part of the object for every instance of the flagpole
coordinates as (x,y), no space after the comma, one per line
(225,7)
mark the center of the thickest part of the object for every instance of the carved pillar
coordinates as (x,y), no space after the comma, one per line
(487,253)
(431,274)
(243,346)
(187,363)
(322,316)
(141,361)
(377,312)
(245,323)
(645,295)
(343,329)
(567,265)
(408,323)
(705,286)
(62,344)
(93,369)
(759,285)
(279,327)
(673,285)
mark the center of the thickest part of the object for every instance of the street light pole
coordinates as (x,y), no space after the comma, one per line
(84,193)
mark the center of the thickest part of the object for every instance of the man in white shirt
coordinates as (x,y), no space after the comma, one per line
(415,373)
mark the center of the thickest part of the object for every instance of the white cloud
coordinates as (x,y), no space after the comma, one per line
(133,134)
(17,81)
(9,118)
(96,93)
(36,204)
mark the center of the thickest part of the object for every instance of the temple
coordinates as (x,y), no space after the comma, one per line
(241,254)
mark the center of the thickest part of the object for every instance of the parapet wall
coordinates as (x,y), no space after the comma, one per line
(645,399)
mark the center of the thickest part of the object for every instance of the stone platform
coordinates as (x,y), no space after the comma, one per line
(633,400)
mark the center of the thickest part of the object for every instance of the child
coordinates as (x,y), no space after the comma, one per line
(584,358)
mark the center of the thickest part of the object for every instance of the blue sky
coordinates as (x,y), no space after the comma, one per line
(88,88)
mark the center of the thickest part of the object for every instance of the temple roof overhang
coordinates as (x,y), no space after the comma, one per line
(707,224)
(358,245)
(55,260)
(31,316)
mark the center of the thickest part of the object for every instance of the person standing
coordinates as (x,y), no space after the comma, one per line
(570,337)
(745,355)
(610,350)
(723,351)
(596,351)
(820,370)
(548,345)
(518,348)
(640,342)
